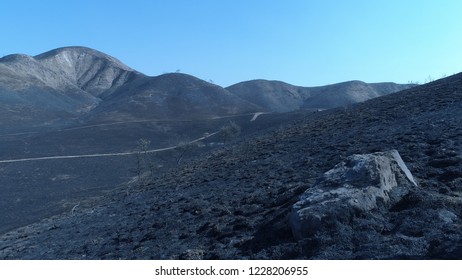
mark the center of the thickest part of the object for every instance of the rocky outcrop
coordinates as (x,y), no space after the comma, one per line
(353,188)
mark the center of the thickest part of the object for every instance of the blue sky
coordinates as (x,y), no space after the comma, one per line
(302,42)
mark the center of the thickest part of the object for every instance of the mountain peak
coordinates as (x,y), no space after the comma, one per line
(82,67)
(68,80)
(72,55)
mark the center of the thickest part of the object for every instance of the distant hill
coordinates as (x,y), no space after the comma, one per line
(74,84)
(56,86)
(170,96)
(277,96)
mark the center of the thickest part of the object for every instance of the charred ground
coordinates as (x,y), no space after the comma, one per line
(233,202)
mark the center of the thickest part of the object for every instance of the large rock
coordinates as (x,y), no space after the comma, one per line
(359,185)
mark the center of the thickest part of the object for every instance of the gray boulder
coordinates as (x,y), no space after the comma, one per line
(354,188)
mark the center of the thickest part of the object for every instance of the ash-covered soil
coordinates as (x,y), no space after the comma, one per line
(233,203)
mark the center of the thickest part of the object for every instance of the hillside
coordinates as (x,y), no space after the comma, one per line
(56,87)
(276,96)
(172,96)
(75,85)
(233,203)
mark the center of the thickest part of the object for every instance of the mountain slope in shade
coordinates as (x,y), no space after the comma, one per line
(277,96)
(346,93)
(170,96)
(274,96)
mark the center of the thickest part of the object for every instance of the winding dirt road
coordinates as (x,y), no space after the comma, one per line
(254,117)
(102,155)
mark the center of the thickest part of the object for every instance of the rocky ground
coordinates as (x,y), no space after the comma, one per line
(234,202)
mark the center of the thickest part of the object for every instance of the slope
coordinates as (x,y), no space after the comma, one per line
(234,202)
(73,85)
(56,87)
(171,96)
(276,96)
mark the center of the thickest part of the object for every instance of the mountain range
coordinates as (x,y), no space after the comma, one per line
(75,85)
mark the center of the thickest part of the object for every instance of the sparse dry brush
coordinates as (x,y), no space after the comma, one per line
(230,131)
(185,147)
(144,162)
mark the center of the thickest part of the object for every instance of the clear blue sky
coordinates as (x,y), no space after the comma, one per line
(302,42)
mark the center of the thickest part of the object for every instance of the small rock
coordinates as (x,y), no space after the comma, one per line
(192,254)
(447,216)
